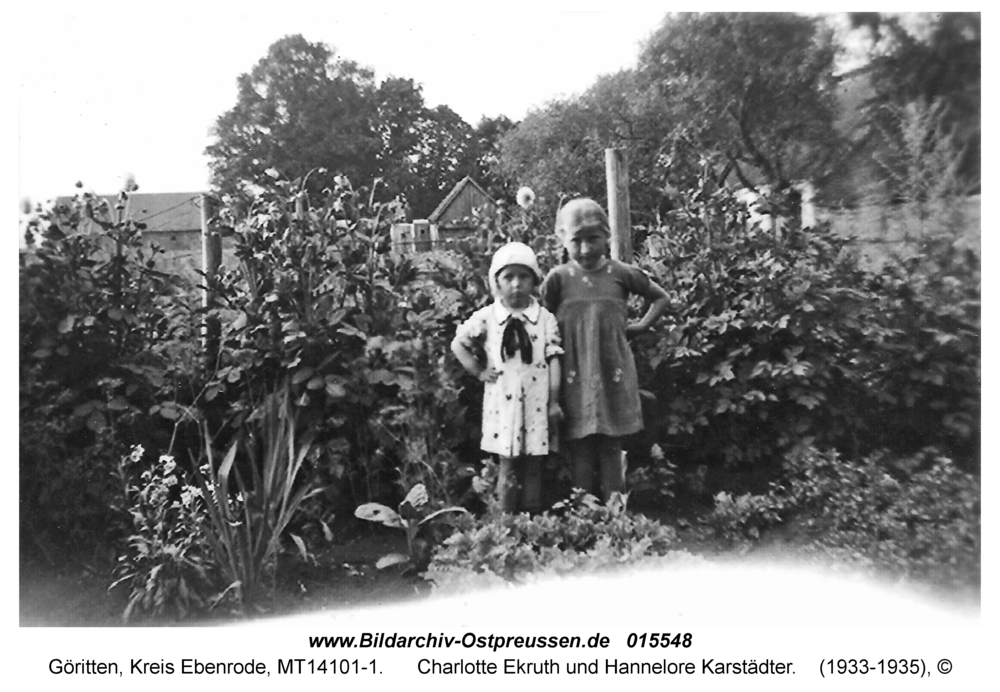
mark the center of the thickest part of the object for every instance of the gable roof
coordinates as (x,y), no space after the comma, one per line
(453,195)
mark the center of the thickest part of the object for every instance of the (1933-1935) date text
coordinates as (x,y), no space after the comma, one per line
(863,666)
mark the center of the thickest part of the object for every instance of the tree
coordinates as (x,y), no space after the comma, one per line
(487,173)
(745,95)
(559,150)
(755,89)
(400,107)
(424,151)
(446,154)
(926,70)
(299,109)
(301,113)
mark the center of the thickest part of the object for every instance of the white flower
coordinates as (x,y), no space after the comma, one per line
(417,495)
(168,463)
(136,454)
(525,198)
(188,495)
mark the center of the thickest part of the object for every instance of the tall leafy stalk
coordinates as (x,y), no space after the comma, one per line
(254,493)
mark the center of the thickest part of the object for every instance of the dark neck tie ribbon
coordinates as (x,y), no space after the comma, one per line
(515,338)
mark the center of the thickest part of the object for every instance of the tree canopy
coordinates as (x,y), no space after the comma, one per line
(297,110)
(926,75)
(302,112)
(748,94)
(748,98)
(755,88)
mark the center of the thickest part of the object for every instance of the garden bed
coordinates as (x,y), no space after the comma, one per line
(342,574)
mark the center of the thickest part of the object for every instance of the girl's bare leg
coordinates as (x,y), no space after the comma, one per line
(598,465)
(612,466)
(508,488)
(583,455)
(531,493)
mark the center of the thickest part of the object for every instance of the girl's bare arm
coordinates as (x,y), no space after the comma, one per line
(469,362)
(659,302)
(555,380)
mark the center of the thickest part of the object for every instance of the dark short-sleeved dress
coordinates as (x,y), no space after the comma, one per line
(600,390)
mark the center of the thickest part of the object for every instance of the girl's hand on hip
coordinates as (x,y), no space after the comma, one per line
(489,375)
(636,329)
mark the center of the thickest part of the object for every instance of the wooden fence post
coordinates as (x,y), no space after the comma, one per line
(211,260)
(619,211)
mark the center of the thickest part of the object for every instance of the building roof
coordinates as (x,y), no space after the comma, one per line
(453,195)
(160,211)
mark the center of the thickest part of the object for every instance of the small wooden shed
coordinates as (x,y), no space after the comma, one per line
(455,216)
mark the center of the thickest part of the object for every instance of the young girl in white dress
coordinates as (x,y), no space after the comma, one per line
(513,346)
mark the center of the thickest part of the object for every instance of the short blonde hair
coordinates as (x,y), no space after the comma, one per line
(581,212)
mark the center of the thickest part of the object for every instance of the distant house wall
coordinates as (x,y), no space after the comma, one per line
(173,223)
(885,231)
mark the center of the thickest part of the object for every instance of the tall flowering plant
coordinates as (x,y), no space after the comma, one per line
(167,563)
(249,510)
(526,225)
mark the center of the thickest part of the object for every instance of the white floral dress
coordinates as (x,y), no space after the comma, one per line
(516,405)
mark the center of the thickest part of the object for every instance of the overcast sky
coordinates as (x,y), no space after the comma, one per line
(123,89)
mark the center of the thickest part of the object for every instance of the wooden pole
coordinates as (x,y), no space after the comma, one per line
(211,260)
(619,211)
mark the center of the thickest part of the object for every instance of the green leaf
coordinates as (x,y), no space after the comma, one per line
(391,559)
(301,545)
(66,324)
(302,375)
(374,511)
(169,411)
(85,408)
(440,512)
(335,390)
(96,421)
(118,404)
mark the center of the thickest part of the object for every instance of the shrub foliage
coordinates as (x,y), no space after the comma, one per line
(779,336)
(774,339)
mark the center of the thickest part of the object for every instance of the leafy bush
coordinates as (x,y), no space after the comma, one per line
(579,533)
(656,480)
(916,516)
(167,565)
(737,519)
(360,330)
(925,377)
(225,524)
(775,337)
(104,338)
(414,513)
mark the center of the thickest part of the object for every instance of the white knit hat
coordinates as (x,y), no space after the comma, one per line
(513,253)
